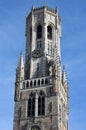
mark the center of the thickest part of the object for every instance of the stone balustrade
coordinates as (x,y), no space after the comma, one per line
(38,82)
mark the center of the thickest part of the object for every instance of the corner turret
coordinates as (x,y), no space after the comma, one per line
(19,76)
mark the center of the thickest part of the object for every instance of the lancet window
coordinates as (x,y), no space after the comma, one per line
(41,104)
(39,31)
(49,32)
(31,105)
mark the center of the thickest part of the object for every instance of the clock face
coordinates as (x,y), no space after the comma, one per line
(37,53)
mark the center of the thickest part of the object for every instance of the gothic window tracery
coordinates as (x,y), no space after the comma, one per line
(31,105)
(41,104)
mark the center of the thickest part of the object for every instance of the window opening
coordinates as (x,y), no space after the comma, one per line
(27,84)
(38,82)
(31,84)
(39,31)
(31,106)
(35,83)
(42,81)
(46,81)
(41,104)
(49,32)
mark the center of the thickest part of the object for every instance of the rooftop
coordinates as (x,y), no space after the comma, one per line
(48,8)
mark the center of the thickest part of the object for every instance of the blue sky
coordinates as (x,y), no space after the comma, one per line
(73,45)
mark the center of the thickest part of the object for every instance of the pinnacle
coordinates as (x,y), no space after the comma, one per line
(21,62)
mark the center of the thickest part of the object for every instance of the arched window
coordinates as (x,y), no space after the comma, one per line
(31,83)
(46,81)
(34,82)
(39,31)
(42,81)
(39,82)
(27,84)
(31,105)
(41,104)
(49,32)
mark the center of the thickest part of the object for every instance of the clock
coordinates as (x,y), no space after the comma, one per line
(37,53)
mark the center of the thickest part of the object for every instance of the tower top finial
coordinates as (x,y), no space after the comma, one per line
(32,7)
(21,63)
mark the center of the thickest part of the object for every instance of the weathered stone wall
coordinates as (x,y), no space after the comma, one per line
(56,98)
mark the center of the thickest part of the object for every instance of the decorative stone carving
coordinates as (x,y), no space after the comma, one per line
(37,53)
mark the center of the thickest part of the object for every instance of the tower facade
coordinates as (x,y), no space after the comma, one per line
(41,87)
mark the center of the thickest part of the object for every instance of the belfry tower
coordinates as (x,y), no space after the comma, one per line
(41,87)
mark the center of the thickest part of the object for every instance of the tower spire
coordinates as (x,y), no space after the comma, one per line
(21,62)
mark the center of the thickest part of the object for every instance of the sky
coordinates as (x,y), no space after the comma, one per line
(73,50)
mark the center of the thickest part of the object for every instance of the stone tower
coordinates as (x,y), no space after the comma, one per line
(41,87)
